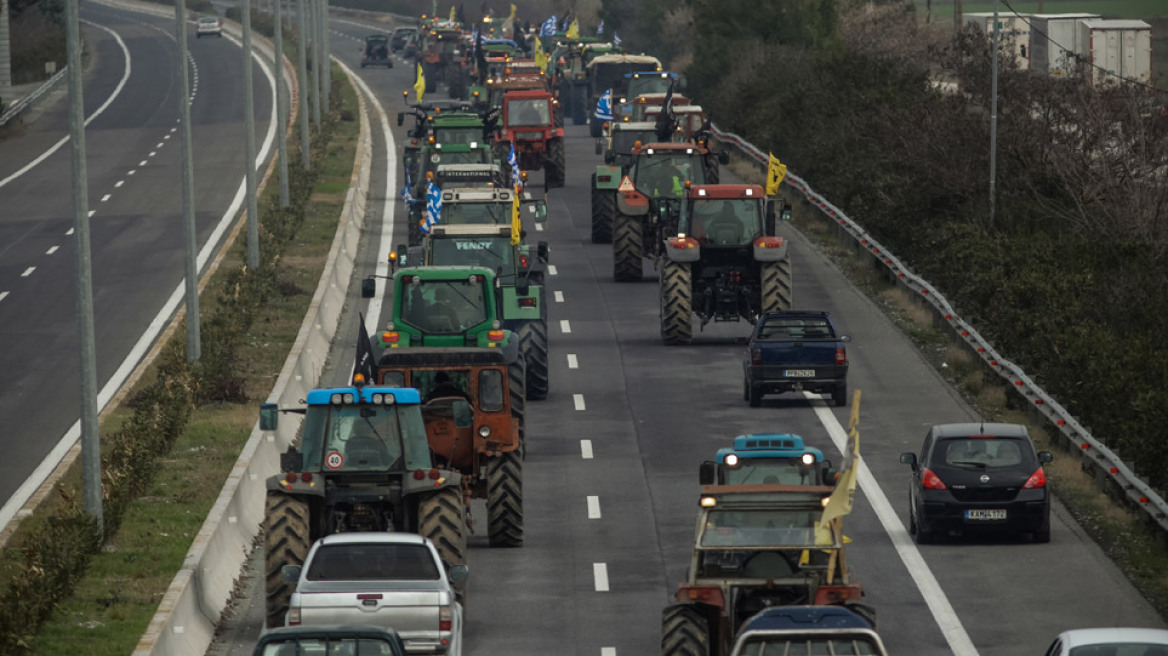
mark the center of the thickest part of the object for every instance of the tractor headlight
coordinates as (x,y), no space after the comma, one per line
(484,431)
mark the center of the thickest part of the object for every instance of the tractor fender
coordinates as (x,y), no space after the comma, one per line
(770,253)
(608,177)
(682,249)
(708,595)
(278,483)
(446,478)
(558,132)
(632,203)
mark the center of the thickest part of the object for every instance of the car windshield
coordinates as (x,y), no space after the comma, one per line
(528,111)
(328,647)
(780,329)
(444,307)
(359,562)
(344,438)
(758,528)
(769,471)
(664,175)
(475,213)
(984,453)
(724,222)
(490,252)
(809,645)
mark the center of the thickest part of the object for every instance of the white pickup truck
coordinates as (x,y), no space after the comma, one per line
(394,580)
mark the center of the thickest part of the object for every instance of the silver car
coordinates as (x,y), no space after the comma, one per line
(209,26)
(1110,642)
(393,580)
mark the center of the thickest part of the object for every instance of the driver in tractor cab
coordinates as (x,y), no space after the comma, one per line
(671,182)
(721,227)
(444,387)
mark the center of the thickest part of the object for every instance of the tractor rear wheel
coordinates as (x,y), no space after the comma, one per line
(505,500)
(776,286)
(286,542)
(554,169)
(603,210)
(712,169)
(684,632)
(442,518)
(579,105)
(627,246)
(595,127)
(534,344)
(517,384)
(676,303)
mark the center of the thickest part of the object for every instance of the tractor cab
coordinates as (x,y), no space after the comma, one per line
(768,459)
(640,84)
(489,206)
(529,122)
(724,215)
(689,118)
(444,306)
(617,145)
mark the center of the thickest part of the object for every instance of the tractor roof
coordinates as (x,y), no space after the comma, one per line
(477,195)
(687,148)
(765,496)
(525,94)
(470,230)
(447,272)
(768,445)
(657,98)
(677,109)
(400,395)
(622,126)
(646,60)
(652,74)
(726,191)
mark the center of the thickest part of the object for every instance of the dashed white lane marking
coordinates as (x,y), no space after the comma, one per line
(131,172)
(152,153)
(28,272)
(52,249)
(942,610)
(119,183)
(70,230)
(565,327)
(572,362)
(166,137)
(91,213)
(608,651)
(3,295)
(106,197)
(586,449)
(160,144)
(600,574)
(552,271)
(539,227)
(173,130)
(559,296)
(142,163)
(578,401)
(593,507)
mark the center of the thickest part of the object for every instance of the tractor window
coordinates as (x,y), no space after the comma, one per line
(475,156)
(759,528)
(639,86)
(444,307)
(462,135)
(434,384)
(490,252)
(528,111)
(724,222)
(623,140)
(770,471)
(662,175)
(393,379)
(478,213)
(490,390)
(359,438)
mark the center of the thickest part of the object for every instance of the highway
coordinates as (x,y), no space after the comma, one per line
(610,477)
(133,168)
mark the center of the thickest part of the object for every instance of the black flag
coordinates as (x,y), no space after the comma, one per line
(665,120)
(363,363)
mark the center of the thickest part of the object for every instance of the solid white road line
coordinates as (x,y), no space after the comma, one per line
(559,296)
(586,449)
(943,613)
(600,575)
(52,249)
(572,362)
(578,401)
(593,507)
(565,327)
(28,272)
(552,271)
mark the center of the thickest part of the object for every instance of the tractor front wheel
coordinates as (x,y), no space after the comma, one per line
(684,632)
(627,247)
(533,340)
(676,303)
(776,286)
(517,385)
(603,210)
(286,542)
(505,500)
(443,519)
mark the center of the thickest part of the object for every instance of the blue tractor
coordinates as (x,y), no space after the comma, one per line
(769,459)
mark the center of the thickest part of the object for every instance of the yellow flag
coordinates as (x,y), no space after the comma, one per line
(452,15)
(420,84)
(516,223)
(541,57)
(573,30)
(841,499)
(776,171)
(511,18)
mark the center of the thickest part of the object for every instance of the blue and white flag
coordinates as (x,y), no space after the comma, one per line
(516,176)
(406,195)
(604,107)
(600,28)
(616,39)
(474,34)
(549,27)
(433,206)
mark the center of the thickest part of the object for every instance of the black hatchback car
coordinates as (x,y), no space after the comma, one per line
(978,477)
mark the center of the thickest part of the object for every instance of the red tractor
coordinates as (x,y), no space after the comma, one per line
(528,121)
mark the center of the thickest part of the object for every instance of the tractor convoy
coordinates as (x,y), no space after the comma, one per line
(438,418)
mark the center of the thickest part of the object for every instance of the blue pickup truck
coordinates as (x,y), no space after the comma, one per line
(795,352)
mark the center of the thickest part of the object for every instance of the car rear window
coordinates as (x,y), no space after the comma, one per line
(788,328)
(355,562)
(984,453)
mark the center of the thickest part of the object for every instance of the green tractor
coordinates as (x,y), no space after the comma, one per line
(617,149)
(568,67)
(429,158)
(362,464)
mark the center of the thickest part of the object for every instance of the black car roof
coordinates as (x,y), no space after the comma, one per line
(985,428)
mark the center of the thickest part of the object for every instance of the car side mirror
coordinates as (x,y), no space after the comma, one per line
(402,254)
(290,573)
(829,474)
(269,417)
(785,215)
(909,459)
(1045,457)
(542,250)
(463,418)
(723,157)
(458,573)
(368,288)
(708,473)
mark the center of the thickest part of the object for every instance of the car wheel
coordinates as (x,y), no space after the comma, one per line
(1042,535)
(745,388)
(839,395)
(920,535)
(755,397)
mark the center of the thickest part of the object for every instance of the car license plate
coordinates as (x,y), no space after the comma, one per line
(985,514)
(798,373)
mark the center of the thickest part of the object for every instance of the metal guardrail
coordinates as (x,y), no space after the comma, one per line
(24,103)
(1138,492)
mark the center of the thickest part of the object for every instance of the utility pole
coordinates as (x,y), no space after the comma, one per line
(5,54)
(90,438)
(253,212)
(957,15)
(327,70)
(314,22)
(301,56)
(190,236)
(994,117)
(281,106)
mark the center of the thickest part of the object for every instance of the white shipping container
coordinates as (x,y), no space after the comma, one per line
(1118,49)
(1055,43)
(1014,32)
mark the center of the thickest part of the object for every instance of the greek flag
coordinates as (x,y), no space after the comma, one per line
(616,41)
(600,28)
(604,107)
(474,34)
(516,178)
(549,27)
(406,196)
(433,206)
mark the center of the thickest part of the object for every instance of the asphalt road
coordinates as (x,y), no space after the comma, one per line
(133,188)
(610,477)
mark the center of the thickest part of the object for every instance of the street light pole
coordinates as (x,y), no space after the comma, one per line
(994,116)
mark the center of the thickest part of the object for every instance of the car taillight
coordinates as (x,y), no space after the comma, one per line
(841,356)
(294,616)
(931,481)
(756,356)
(445,618)
(1036,480)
